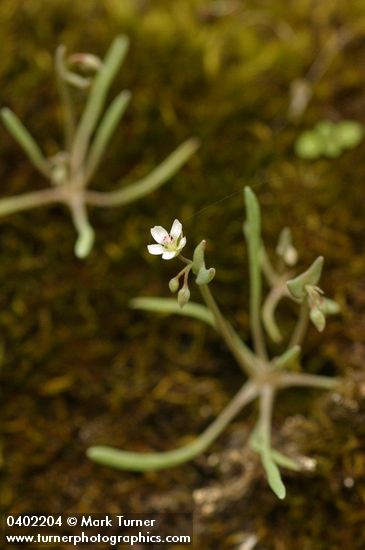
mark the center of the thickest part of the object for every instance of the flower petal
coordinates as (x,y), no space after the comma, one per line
(155,249)
(176,229)
(182,243)
(159,233)
(169,255)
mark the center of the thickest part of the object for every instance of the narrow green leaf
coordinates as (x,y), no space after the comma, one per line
(170,306)
(9,205)
(85,232)
(84,243)
(280,459)
(96,99)
(25,140)
(204,275)
(142,462)
(287,357)
(160,175)
(106,129)
(199,257)
(273,475)
(253,238)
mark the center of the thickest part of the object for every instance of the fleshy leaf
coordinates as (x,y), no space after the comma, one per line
(309,145)
(169,305)
(273,475)
(310,277)
(350,133)
(204,276)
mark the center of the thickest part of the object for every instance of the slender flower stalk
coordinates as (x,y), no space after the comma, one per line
(245,358)
(301,326)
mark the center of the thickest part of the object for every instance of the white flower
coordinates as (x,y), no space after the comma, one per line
(169,244)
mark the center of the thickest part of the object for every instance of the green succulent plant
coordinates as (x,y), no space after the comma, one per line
(70,171)
(329,139)
(266,375)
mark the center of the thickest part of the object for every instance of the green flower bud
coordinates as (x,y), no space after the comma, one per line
(285,248)
(85,61)
(317,318)
(329,307)
(174,284)
(183,296)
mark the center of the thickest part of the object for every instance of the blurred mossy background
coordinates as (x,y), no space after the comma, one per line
(79,367)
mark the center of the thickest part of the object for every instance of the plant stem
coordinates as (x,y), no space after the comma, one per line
(245,358)
(268,311)
(26,141)
(125,460)
(301,326)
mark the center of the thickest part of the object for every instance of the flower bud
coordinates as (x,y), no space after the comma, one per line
(174,284)
(85,61)
(183,296)
(317,318)
(285,248)
(329,307)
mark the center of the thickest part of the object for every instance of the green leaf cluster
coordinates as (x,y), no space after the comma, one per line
(329,139)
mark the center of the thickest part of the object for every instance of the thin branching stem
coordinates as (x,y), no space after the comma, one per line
(268,311)
(301,326)
(243,354)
